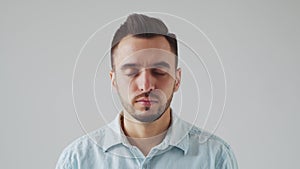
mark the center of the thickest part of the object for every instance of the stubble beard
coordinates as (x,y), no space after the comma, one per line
(136,114)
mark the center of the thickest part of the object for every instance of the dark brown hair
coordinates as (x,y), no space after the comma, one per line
(142,26)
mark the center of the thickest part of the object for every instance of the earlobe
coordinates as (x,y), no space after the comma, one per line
(178,79)
(112,78)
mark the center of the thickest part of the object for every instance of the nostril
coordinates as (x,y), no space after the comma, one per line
(145,89)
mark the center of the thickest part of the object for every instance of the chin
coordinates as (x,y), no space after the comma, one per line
(147,117)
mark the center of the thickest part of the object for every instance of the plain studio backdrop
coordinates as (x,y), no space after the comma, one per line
(258,43)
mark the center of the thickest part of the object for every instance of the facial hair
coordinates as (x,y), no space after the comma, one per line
(148,118)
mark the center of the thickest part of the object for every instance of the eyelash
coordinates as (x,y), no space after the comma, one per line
(154,72)
(134,73)
(162,73)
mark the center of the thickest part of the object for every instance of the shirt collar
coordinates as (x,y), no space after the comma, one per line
(113,134)
(177,134)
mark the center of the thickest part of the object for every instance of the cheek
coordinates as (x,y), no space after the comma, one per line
(126,86)
(167,87)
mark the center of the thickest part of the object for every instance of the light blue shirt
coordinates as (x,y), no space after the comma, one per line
(184,146)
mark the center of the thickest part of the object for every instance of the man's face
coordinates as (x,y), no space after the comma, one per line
(145,77)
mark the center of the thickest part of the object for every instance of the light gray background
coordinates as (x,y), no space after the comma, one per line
(257,40)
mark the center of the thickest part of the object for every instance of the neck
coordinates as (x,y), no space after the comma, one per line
(146,135)
(136,129)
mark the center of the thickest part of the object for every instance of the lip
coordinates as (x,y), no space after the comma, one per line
(146,101)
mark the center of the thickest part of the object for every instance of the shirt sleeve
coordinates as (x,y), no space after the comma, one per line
(65,160)
(226,159)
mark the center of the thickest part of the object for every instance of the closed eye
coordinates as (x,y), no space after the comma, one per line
(158,72)
(131,72)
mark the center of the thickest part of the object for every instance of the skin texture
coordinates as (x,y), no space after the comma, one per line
(145,78)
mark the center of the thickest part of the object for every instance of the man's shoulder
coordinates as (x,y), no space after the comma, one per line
(202,137)
(208,146)
(204,145)
(83,146)
(88,140)
(195,134)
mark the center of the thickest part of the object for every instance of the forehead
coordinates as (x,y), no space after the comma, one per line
(132,49)
(131,44)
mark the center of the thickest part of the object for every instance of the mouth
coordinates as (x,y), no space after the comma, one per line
(146,101)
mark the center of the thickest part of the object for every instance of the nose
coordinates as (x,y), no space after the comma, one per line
(145,81)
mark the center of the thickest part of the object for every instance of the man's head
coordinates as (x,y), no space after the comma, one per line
(142,26)
(144,67)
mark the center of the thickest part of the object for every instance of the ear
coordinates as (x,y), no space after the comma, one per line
(177,79)
(112,76)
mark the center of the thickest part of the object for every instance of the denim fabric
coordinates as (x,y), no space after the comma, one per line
(184,146)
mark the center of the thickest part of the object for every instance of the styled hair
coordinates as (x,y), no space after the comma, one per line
(142,26)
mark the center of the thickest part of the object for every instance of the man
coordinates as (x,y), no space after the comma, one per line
(146,134)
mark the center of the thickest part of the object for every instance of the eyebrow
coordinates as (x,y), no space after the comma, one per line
(161,64)
(129,65)
(134,65)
